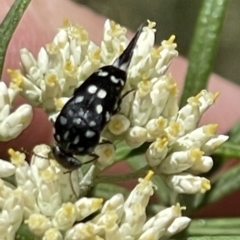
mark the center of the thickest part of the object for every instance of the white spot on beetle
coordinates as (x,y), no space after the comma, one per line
(122,82)
(80,149)
(92,124)
(99,108)
(63,120)
(70,112)
(114,79)
(65,136)
(76,140)
(89,133)
(77,120)
(79,99)
(101,93)
(92,89)
(102,74)
(58,137)
(107,116)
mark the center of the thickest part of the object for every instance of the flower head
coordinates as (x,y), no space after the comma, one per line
(177,147)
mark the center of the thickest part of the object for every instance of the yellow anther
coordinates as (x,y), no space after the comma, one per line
(117,124)
(151,24)
(17,158)
(171,39)
(216,95)
(97,203)
(174,128)
(155,52)
(68,208)
(149,175)
(66,23)
(51,79)
(210,129)
(206,185)
(69,66)
(48,175)
(108,152)
(196,154)
(160,143)
(96,54)
(58,103)
(16,77)
(161,122)
(194,101)
(52,48)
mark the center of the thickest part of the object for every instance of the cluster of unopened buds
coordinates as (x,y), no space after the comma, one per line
(45,198)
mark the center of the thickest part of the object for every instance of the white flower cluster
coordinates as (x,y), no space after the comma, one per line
(12,124)
(42,198)
(179,148)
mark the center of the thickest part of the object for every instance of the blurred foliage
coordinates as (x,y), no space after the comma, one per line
(179,18)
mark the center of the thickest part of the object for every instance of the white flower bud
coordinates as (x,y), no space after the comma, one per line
(188,184)
(177,226)
(53,234)
(211,145)
(195,139)
(16,122)
(87,206)
(136,136)
(6,169)
(43,60)
(38,224)
(106,153)
(65,217)
(155,127)
(141,193)
(189,115)
(118,124)
(167,54)
(157,151)
(203,165)
(27,59)
(83,231)
(180,161)
(206,99)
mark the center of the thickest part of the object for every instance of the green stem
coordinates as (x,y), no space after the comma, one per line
(229,150)
(204,46)
(122,177)
(214,227)
(9,25)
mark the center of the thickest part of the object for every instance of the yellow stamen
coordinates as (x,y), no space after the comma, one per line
(51,79)
(16,76)
(58,103)
(216,95)
(171,39)
(17,158)
(210,129)
(206,185)
(149,175)
(196,154)
(97,203)
(66,23)
(160,143)
(151,24)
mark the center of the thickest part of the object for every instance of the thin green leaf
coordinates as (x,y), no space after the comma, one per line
(224,237)
(163,192)
(234,134)
(229,150)
(9,25)
(214,227)
(224,185)
(204,46)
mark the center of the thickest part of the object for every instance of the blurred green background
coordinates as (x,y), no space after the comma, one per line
(178,17)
